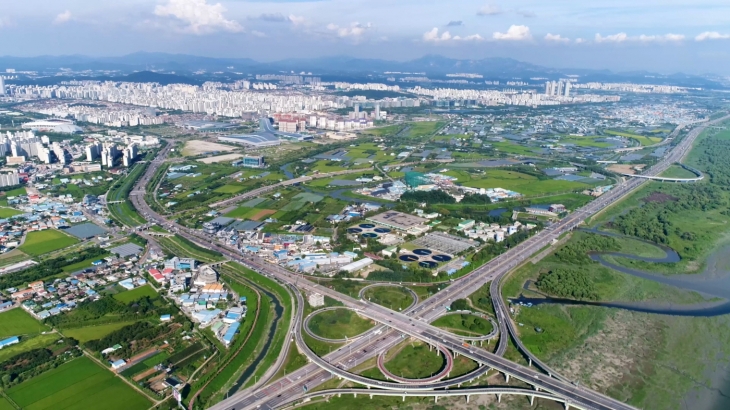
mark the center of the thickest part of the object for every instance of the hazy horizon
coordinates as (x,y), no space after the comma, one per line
(660,36)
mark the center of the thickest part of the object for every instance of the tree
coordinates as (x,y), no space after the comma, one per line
(460,304)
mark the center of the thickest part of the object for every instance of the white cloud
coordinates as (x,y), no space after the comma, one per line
(514,33)
(489,10)
(256,33)
(711,35)
(434,37)
(580,41)
(198,16)
(297,20)
(355,30)
(623,37)
(667,37)
(62,17)
(557,38)
(613,38)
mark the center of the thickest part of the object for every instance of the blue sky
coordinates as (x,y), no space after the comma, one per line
(658,35)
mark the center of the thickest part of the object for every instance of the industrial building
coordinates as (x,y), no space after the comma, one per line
(253,140)
(53,125)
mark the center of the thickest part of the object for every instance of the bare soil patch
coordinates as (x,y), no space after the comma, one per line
(659,198)
(220,158)
(197,147)
(262,214)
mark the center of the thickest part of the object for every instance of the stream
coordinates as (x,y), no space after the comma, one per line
(714,281)
(249,371)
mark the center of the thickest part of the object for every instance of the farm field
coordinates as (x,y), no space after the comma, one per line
(524,184)
(78,385)
(49,240)
(181,246)
(136,294)
(84,334)
(8,212)
(229,189)
(16,322)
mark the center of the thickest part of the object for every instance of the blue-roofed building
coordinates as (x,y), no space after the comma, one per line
(9,341)
(165,318)
(118,364)
(242,299)
(230,333)
(5,305)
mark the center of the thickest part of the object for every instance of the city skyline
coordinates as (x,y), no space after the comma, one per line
(647,35)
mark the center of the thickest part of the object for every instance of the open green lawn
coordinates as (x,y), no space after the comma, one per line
(78,385)
(588,141)
(16,322)
(394,298)
(644,141)
(182,247)
(229,189)
(49,240)
(16,192)
(415,361)
(338,324)
(8,212)
(84,334)
(27,344)
(465,325)
(136,294)
(511,148)
(675,171)
(423,128)
(524,184)
(83,264)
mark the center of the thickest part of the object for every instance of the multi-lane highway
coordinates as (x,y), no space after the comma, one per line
(414,323)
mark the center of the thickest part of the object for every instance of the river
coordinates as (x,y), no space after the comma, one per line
(278,312)
(707,393)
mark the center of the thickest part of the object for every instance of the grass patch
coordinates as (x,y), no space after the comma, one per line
(77,385)
(415,361)
(182,247)
(49,240)
(16,322)
(136,294)
(27,344)
(524,184)
(338,324)
(84,334)
(229,189)
(394,298)
(465,325)
(156,359)
(8,212)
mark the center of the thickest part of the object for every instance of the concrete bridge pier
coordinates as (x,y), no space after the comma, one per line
(467,399)
(532,400)
(371,397)
(529,363)
(436,399)
(567,406)
(404,397)
(506,377)
(339,394)
(499,397)
(355,394)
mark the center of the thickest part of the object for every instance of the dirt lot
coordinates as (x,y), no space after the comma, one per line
(197,147)
(263,214)
(625,168)
(220,158)
(659,197)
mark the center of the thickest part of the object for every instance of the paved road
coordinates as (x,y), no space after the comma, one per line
(401,322)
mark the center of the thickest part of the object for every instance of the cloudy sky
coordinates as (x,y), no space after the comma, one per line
(659,35)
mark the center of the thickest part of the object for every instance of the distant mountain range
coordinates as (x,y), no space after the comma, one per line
(331,67)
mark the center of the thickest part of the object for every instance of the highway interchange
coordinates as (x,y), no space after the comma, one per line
(414,322)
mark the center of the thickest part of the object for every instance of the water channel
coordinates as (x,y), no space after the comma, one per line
(714,281)
(278,312)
